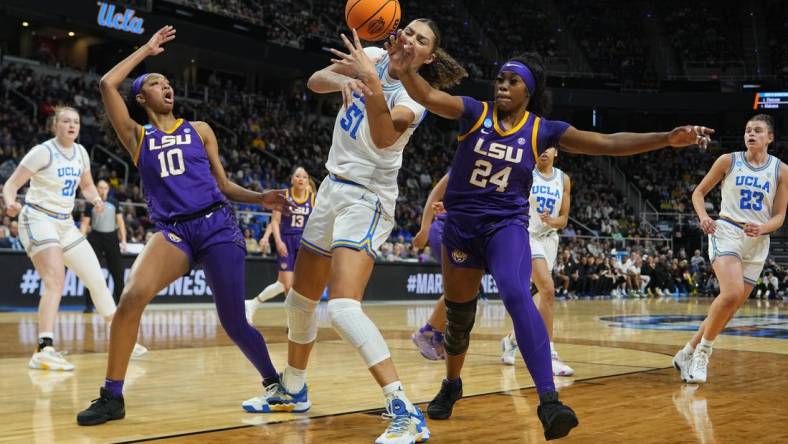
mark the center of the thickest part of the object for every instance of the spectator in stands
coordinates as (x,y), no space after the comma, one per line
(252,246)
(13,238)
(697,262)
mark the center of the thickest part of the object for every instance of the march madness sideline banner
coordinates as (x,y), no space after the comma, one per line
(389,282)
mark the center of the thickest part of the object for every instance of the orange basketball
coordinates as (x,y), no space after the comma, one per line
(372,19)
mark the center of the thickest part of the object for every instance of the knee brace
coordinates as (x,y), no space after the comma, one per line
(301,319)
(354,326)
(460,318)
(82,260)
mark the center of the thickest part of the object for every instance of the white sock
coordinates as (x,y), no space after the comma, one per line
(270,292)
(394,390)
(705,345)
(293,379)
(688,348)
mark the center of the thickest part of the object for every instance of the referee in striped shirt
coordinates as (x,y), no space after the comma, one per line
(106,232)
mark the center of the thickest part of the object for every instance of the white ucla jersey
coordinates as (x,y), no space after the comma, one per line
(748,192)
(57,173)
(546,194)
(355,157)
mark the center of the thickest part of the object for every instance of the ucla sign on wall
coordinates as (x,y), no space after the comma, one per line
(125,21)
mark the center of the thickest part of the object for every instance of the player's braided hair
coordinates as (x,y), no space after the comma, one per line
(444,72)
(541,101)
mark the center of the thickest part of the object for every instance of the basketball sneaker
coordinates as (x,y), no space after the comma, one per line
(405,426)
(442,405)
(681,362)
(698,366)
(251,307)
(559,368)
(138,351)
(557,419)
(430,344)
(105,408)
(509,347)
(277,399)
(49,359)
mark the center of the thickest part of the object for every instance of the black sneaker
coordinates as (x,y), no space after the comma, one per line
(442,405)
(106,408)
(557,418)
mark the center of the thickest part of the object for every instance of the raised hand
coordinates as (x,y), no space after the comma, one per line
(355,59)
(690,135)
(162,36)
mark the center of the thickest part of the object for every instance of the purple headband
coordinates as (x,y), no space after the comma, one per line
(521,70)
(137,85)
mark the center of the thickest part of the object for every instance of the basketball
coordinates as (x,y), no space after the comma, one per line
(372,19)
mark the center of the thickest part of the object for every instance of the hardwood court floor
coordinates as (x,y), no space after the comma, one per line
(189,387)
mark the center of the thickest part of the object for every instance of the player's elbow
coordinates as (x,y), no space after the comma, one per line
(315,83)
(105,84)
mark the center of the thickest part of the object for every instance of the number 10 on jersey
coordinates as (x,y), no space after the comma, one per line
(171,162)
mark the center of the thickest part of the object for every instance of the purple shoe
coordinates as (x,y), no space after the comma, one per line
(428,346)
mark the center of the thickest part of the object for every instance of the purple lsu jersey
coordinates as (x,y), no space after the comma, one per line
(491,173)
(295,222)
(175,171)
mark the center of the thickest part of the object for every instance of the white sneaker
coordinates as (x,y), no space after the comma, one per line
(251,307)
(681,362)
(49,359)
(277,399)
(509,347)
(138,351)
(405,427)
(698,367)
(559,368)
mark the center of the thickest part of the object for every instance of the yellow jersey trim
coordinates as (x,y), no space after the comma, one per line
(475,125)
(306,196)
(511,130)
(140,138)
(535,136)
(177,125)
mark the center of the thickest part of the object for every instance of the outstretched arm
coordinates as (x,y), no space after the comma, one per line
(713,177)
(627,144)
(125,127)
(274,199)
(428,214)
(435,100)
